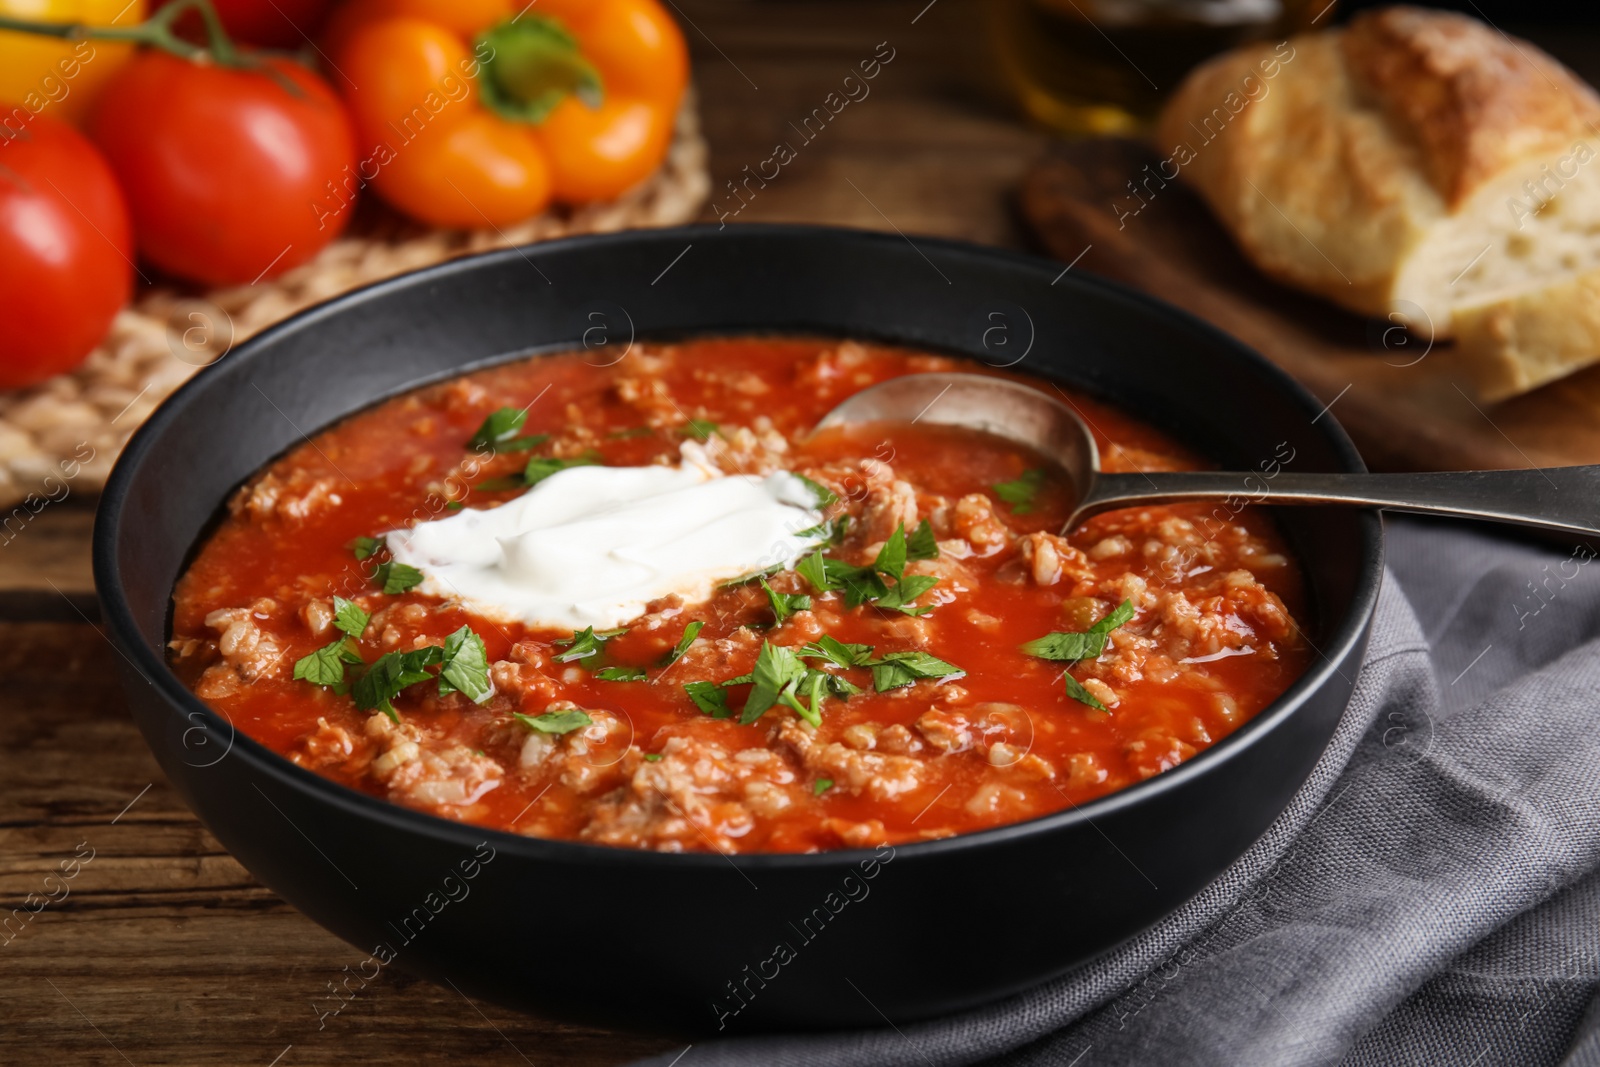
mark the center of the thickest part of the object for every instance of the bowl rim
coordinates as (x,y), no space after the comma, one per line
(1347,635)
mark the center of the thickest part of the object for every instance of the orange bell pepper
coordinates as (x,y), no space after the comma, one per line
(471,114)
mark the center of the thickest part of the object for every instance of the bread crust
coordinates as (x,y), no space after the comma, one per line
(1411,164)
(1476,101)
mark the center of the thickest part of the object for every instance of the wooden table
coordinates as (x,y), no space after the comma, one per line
(163,950)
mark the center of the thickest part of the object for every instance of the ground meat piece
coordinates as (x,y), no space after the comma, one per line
(741,450)
(972,519)
(531,687)
(697,795)
(831,370)
(327,744)
(887,507)
(292,499)
(877,774)
(947,730)
(1084,770)
(422,773)
(584,760)
(1149,756)
(1051,558)
(247,651)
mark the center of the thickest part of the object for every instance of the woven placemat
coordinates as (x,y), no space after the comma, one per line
(61,438)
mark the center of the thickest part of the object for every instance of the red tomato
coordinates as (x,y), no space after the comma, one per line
(284,24)
(230,176)
(66,251)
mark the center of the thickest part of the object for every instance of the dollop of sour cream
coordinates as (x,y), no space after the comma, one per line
(592,546)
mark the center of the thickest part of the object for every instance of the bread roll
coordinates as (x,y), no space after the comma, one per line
(1418,164)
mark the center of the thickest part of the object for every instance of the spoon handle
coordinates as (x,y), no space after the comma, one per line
(1563,499)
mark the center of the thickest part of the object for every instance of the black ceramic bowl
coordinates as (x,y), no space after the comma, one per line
(691,942)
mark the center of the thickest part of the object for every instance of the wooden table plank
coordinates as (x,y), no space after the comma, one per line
(163,949)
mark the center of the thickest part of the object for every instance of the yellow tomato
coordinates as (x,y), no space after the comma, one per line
(62,77)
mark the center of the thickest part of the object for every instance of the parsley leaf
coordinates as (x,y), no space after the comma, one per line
(743,579)
(906,668)
(699,429)
(396,577)
(776,669)
(710,698)
(393,672)
(326,665)
(466,667)
(348,617)
(541,467)
(503,484)
(690,632)
(824,495)
(821,786)
(585,643)
(906,590)
(1077,692)
(921,544)
(363,547)
(1076,645)
(554,722)
(814,569)
(892,556)
(1021,492)
(837,652)
(785,604)
(501,425)
(652,757)
(621,674)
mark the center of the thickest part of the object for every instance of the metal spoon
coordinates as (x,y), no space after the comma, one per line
(1564,499)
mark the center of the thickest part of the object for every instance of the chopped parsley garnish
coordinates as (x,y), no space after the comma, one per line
(394,671)
(541,467)
(896,669)
(1086,644)
(837,652)
(744,579)
(1077,692)
(454,505)
(465,668)
(396,577)
(554,722)
(637,431)
(906,590)
(699,429)
(710,698)
(1079,645)
(326,665)
(586,642)
(814,569)
(499,433)
(821,786)
(690,632)
(363,547)
(921,544)
(861,584)
(785,604)
(824,495)
(777,669)
(652,757)
(1021,492)
(348,617)
(621,674)
(503,484)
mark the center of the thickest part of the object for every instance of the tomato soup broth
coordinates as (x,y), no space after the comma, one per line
(936,660)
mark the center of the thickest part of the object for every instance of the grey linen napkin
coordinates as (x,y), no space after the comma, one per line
(1431,895)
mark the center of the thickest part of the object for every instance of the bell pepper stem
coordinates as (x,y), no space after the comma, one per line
(154,32)
(535,65)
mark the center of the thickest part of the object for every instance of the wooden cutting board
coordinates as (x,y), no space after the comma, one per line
(1400,398)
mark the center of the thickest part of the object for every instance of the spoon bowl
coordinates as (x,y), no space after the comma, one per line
(1560,499)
